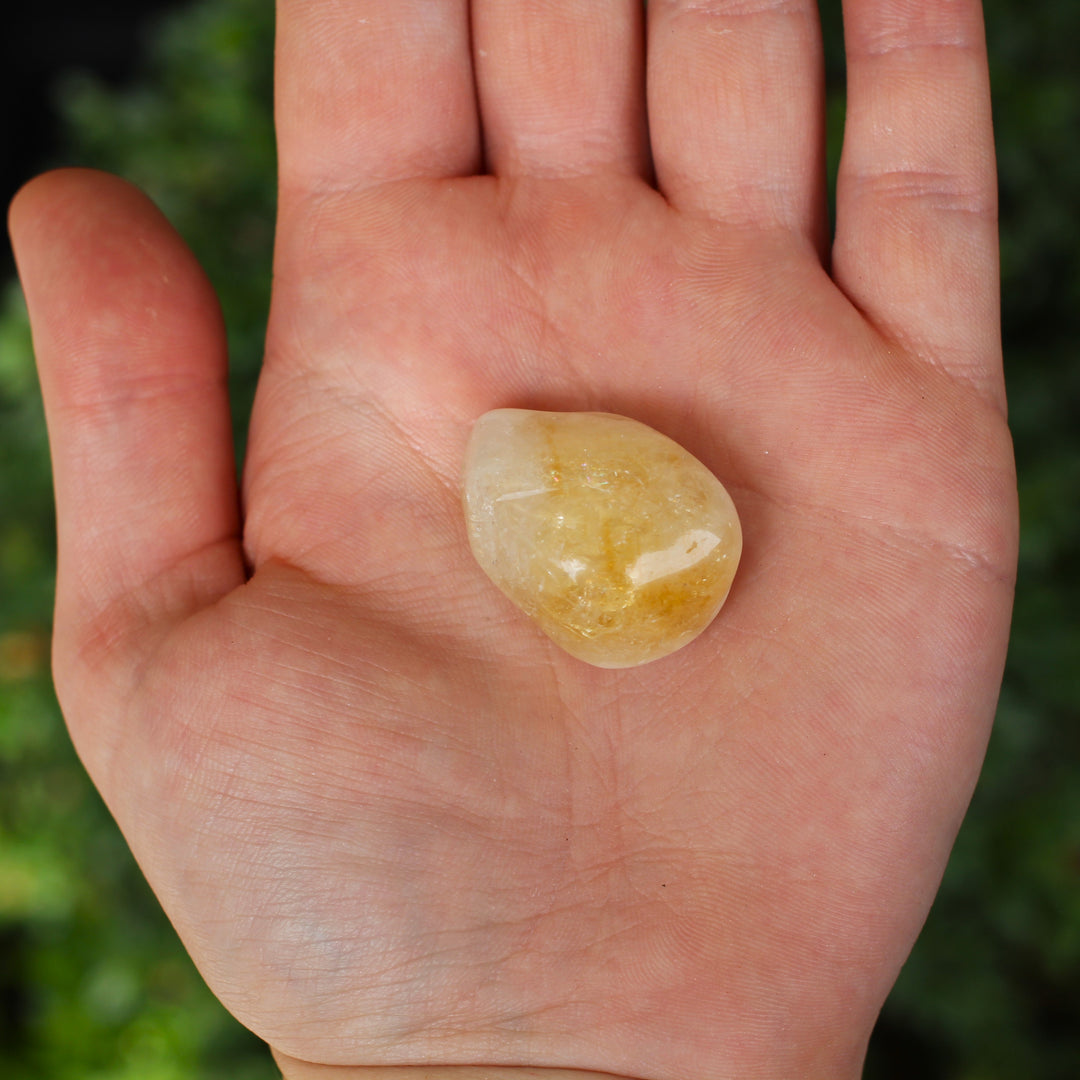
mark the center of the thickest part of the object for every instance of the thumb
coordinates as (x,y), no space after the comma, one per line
(131,354)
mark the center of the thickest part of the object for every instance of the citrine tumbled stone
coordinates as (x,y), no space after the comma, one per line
(619,543)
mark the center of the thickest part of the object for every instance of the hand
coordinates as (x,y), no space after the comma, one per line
(392,823)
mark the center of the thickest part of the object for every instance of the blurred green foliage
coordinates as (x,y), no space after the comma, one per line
(94,984)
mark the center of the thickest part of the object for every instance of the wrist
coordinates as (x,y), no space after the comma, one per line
(291,1069)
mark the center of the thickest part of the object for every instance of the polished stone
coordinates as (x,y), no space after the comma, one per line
(618,542)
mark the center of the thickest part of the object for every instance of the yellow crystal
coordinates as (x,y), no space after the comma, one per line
(617,541)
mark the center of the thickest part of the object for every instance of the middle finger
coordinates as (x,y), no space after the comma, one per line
(561,85)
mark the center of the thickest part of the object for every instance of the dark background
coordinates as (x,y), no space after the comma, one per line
(93,984)
(41,41)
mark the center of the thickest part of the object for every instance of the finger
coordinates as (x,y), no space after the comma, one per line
(561,85)
(916,231)
(368,91)
(131,354)
(736,110)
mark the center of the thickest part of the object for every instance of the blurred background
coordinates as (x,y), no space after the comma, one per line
(176,97)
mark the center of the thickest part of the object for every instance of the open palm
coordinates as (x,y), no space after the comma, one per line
(391,821)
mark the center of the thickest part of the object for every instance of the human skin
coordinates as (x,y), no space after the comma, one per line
(393,824)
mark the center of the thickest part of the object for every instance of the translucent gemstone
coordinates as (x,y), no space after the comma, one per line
(617,541)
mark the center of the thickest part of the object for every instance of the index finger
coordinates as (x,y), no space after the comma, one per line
(368,91)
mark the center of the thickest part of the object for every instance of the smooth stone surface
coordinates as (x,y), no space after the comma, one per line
(618,542)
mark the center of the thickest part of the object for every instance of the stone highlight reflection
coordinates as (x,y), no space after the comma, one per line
(617,541)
